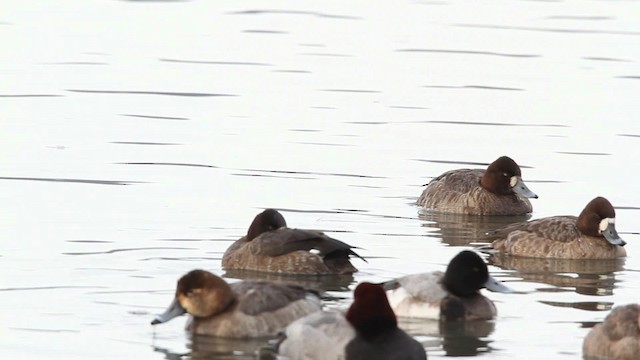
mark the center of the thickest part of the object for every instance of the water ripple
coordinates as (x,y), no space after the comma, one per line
(582,153)
(28,95)
(80,181)
(206,62)
(155,117)
(113,251)
(356,91)
(293,12)
(481,87)
(141,143)
(258,31)
(558,30)
(600,58)
(168,164)
(487,123)
(134,92)
(468,52)
(31,288)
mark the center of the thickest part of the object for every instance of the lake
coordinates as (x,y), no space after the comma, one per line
(140,138)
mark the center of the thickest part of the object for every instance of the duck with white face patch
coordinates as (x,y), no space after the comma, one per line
(496,190)
(591,235)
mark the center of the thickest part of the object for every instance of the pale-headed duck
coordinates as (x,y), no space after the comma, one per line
(449,296)
(592,235)
(618,337)
(273,247)
(242,309)
(369,331)
(498,190)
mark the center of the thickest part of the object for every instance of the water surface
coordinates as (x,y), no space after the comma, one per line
(140,138)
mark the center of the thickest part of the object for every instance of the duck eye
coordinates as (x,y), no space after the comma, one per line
(505,175)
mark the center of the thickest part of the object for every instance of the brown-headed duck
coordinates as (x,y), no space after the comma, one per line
(592,235)
(368,331)
(449,296)
(273,247)
(618,337)
(498,190)
(242,309)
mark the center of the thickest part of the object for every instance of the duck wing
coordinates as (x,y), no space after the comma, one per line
(255,297)
(461,180)
(285,240)
(557,228)
(425,287)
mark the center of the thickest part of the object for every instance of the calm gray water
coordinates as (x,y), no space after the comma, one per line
(140,138)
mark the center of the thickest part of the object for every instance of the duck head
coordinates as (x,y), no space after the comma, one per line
(268,220)
(199,293)
(599,219)
(503,177)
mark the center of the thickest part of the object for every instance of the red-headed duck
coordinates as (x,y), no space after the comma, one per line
(449,296)
(273,247)
(592,235)
(617,338)
(368,331)
(239,310)
(498,190)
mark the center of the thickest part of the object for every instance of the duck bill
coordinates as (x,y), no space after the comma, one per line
(174,310)
(521,189)
(496,286)
(612,236)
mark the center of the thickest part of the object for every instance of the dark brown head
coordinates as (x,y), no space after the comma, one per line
(370,314)
(199,293)
(503,177)
(268,220)
(598,219)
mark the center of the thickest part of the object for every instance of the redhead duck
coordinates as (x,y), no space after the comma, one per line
(618,337)
(368,331)
(498,190)
(273,247)
(239,310)
(592,235)
(449,296)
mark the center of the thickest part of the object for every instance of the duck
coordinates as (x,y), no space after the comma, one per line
(591,235)
(270,246)
(450,296)
(498,190)
(369,330)
(244,309)
(618,337)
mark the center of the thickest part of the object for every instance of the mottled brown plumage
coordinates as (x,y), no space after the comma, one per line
(498,190)
(271,246)
(618,337)
(566,237)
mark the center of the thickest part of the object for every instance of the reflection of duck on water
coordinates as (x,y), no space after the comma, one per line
(456,338)
(463,229)
(212,347)
(318,283)
(588,277)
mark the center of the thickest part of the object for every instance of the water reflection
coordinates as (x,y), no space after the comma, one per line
(318,283)
(464,229)
(588,277)
(457,338)
(210,347)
